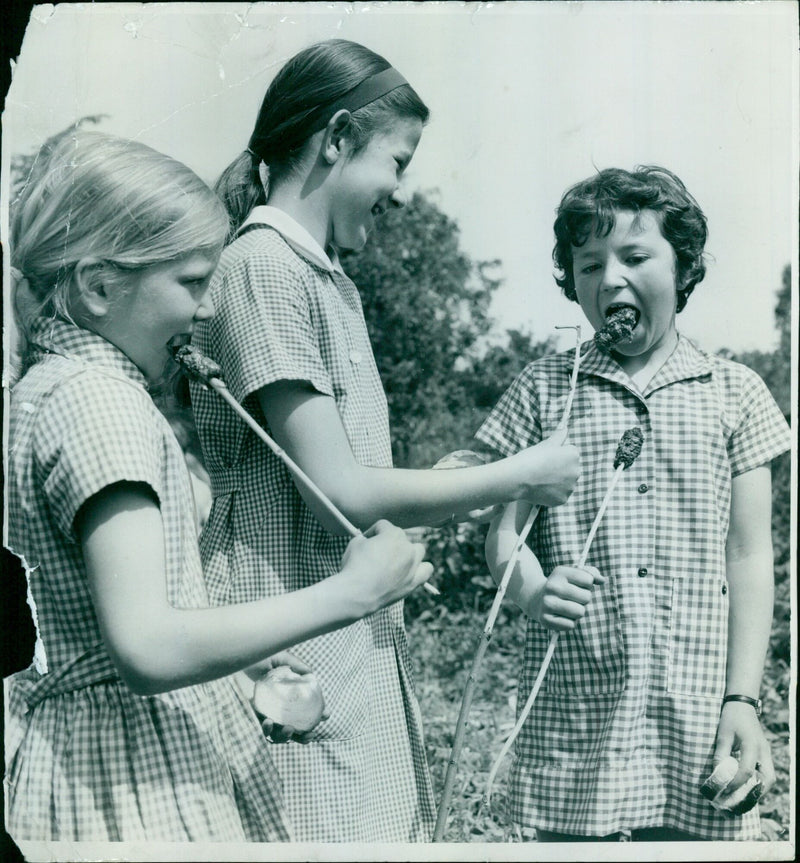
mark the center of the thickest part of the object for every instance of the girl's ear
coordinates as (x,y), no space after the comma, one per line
(92,287)
(334,136)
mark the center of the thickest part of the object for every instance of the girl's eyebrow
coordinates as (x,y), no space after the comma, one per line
(584,253)
(636,244)
(631,245)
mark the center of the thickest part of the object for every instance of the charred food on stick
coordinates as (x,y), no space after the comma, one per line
(619,325)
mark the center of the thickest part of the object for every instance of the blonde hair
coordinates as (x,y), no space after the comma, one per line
(93,195)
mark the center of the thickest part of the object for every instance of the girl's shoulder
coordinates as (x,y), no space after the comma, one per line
(260,271)
(61,394)
(548,368)
(263,250)
(741,388)
(733,371)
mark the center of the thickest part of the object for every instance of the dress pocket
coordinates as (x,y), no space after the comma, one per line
(698,636)
(340,660)
(589,660)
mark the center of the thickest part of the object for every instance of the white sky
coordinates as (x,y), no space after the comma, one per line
(526,99)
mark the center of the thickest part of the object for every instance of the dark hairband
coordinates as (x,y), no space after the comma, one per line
(362,94)
(370,89)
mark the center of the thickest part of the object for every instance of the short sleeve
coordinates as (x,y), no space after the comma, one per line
(91,433)
(514,423)
(762,432)
(264,330)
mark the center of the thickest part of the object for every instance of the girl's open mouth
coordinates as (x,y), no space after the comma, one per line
(621,320)
(178,341)
(615,310)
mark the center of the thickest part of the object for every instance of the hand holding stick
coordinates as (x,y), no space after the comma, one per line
(628,450)
(201,369)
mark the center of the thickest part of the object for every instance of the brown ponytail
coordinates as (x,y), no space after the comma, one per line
(240,189)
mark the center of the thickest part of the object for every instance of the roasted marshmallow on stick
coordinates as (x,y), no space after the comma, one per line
(618,327)
(205,371)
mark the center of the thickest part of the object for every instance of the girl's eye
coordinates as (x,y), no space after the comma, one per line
(196,285)
(589,268)
(637,259)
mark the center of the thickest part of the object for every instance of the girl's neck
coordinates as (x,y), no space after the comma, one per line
(307,205)
(641,369)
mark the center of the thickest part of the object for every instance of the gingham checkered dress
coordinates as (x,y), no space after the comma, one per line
(86,758)
(622,732)
(285,315)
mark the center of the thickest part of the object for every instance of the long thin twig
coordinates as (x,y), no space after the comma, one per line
(300,476)
(204,371)
(486,635)
(627,452)
(550,648)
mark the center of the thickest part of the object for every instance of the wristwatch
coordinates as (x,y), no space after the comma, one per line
(755,703)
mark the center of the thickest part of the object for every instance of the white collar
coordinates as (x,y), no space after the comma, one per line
(294,234)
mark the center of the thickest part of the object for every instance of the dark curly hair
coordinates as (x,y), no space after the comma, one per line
(595,201)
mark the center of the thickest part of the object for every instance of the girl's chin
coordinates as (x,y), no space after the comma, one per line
(640,344)
(351,247)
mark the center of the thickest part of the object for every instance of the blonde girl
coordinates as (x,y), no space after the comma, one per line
(127,727)
(337,128)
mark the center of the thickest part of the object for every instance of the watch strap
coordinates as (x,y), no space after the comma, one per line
(755,703)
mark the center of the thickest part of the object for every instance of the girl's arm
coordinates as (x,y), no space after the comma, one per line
(750,578)
(157,647)
(558,601)
(307,425)
(528,578)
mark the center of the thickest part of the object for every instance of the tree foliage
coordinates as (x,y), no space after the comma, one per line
(427,310)
(426,307)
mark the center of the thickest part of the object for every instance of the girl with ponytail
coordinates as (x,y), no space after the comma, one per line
(337,128)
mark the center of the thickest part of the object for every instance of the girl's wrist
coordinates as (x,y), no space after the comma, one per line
(511,485)
(533,607)
(342,599)
(738,698)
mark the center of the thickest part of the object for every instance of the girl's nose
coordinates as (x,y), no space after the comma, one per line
(206,308)
(398,197)
(613,275)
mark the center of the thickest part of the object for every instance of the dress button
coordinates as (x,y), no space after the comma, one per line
(642,572)
(643,488)
(355,357)
(724,589)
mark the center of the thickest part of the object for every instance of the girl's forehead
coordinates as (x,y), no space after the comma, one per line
(621,225)
(401,133)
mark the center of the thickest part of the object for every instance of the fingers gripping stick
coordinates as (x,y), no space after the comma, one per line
(202,370)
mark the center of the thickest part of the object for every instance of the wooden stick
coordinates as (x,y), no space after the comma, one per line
(628,450)
(300,476)
(573,381)
(550,648)
(483,644)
